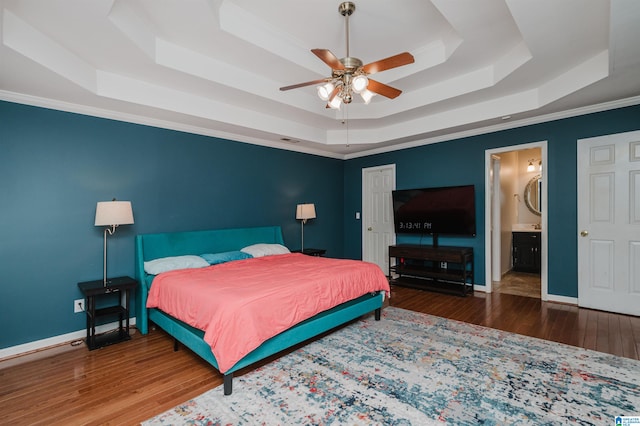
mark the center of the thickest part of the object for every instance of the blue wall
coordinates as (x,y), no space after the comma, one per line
(461,162)
(55,166)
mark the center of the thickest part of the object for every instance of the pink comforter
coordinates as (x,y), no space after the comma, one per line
(241,304)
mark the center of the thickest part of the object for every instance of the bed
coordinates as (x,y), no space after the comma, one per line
(152,248)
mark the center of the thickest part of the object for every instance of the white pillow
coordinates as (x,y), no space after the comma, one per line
(262,249)
(165,264)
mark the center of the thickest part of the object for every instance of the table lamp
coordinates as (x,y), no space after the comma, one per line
(303,213)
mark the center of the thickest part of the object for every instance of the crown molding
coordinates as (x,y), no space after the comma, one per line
(153,122)
(171,125)
(620,103)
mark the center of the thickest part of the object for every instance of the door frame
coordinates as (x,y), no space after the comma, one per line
(496,214)
(363,230)
(544,284)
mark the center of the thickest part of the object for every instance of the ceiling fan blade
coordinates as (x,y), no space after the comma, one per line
(328,58)
(398,60)
(383,89)
(308,83)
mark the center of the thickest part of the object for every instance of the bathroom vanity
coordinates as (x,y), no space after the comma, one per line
(526,251)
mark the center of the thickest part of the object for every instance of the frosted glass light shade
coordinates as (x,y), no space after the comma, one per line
(325,91)
(366,96)
(113,213)
(359,83)
(335,102)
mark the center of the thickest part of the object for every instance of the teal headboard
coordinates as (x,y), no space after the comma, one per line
(155,246)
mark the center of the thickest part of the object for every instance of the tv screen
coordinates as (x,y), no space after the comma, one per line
(445,210)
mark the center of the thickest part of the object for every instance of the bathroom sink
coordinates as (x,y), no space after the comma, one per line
(525,227)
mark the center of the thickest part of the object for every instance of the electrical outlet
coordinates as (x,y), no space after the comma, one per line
(443,265)
(78,306)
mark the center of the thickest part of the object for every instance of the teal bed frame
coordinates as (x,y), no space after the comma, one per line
(154,246)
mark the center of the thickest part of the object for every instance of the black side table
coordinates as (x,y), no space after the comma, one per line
(93,290)
(312,252)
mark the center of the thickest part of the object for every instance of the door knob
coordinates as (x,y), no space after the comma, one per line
(584,233)
(369,229)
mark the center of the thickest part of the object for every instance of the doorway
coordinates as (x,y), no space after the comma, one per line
(516,183)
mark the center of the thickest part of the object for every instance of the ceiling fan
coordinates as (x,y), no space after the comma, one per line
(349,75)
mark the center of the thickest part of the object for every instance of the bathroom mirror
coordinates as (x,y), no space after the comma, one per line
(532,196)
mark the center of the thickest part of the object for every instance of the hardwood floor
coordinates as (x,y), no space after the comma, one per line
(133,381)
(596,330)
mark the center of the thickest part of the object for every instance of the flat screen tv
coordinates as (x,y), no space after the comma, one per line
(437,211)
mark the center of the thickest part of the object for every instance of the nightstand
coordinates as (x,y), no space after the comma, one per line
(92,290)
(312,252)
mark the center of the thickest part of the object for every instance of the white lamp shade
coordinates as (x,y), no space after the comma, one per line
(114,213)
(306,211)
(325,91)
(335,102)
(359,83)
(366,96)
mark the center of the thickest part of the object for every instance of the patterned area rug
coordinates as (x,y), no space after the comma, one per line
(417,369)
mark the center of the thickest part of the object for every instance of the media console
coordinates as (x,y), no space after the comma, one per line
(442,268)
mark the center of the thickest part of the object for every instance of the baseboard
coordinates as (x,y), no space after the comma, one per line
(38,345)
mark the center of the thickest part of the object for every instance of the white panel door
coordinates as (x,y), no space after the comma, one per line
(609,223)
(377,214)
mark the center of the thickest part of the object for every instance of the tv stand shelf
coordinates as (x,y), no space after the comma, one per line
(443,268)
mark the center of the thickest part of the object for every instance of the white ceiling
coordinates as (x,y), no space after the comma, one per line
(215,66)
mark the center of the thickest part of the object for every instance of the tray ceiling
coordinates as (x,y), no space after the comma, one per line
(214,66)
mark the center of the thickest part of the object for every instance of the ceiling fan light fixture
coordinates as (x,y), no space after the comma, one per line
(325,91)
(359,83)
(349,75)
(335,102)
(366,96)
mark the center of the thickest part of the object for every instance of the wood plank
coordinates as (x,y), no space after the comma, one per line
(591,332)
(626,337)
(602,332)
(615,335)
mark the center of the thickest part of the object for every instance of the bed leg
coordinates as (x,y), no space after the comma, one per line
(228,381)
(378,312)
(176,345)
